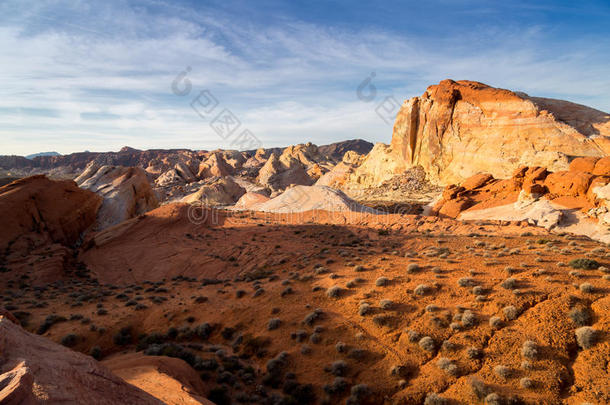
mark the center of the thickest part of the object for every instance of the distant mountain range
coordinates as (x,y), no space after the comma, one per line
(33,155)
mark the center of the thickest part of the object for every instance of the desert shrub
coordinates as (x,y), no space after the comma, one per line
(123,336)
(529,350)
(527,383)
(455,326)
(584,264)
(412,268)
(510,312)
(435,399)
(465,282)
(334,292)
(227,332)
(315,338)
(413,335)
(468,318)
(96,352)
(580,316)
(340,347)
(386,304)
(220,395)
(448,366)
(301,394)
(495,322)
(358,394)
(364,309)
(382,282)
(274,323)
(177,351)
(69,340)
(509,284)
(502,371)
(427,343)
(585,337)
(448,346)
(587,288)
(50,321)
(478,387)
(359,268)
(474,353)
(493,399)
(338,386)
(337,368)
(477,290)
(204,331)
(312,317)
(421,289)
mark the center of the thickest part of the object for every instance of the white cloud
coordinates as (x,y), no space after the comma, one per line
(288,82)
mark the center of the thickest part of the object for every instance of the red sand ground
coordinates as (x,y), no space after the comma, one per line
(161,271)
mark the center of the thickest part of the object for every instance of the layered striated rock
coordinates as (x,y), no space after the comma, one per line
(125,190)
(306,198)
(36,210)
(575,200)
(458,129)
(214,166)
(277,173)
(224,191)
(337,150)
(250,201)
(34,370)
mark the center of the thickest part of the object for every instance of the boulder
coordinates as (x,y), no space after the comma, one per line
(250,201)
(567,183)
(224,191)
(49,210)
(34,370)
(126,192)
(584,164)
(214,166)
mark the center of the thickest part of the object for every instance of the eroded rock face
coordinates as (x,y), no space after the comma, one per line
(458,129)
(171,380)
(224,191)
(34,370)
(125,190)
(305,198)
(46,210)
(574,201)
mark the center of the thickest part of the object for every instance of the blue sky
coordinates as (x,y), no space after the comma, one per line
(78,75)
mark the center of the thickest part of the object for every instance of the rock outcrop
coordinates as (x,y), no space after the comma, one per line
(169,379)
(125,190)
(306,198)
(458,129)
(224,191)
(36,210)
(576,198)
(34,370)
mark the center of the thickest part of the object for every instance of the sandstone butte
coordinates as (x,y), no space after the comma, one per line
(457,129)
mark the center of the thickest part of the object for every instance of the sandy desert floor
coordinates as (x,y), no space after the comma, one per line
(323,308)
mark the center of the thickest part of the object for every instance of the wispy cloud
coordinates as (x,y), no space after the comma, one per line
(80,75)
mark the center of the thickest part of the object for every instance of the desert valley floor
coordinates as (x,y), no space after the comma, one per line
(322,307)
